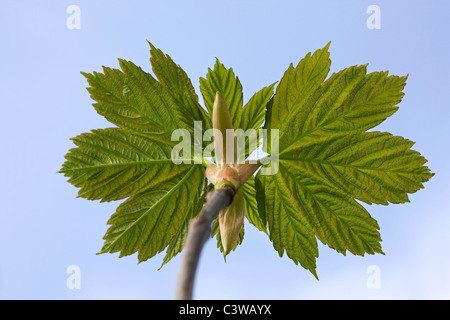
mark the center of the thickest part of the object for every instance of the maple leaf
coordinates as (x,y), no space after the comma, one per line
(327,158)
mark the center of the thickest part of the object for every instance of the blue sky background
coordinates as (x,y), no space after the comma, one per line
(44,228)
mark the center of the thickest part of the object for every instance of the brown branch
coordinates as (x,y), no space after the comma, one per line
(199,232)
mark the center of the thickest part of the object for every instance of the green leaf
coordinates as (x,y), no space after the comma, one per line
(253,114)
(299,83)
(180,87)
(177,244)
(252,214)
(134,160)
(149,221)
(288,230)
(252,117)
(327,160)
(335,218)
(249,116)
(112,164)
(373,167)
(222,80)
(297,86)
(349,101)
(133,99)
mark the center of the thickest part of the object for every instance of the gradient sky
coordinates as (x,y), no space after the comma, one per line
(44,228)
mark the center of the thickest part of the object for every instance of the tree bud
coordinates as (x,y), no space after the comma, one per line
(222,122)
(231,221)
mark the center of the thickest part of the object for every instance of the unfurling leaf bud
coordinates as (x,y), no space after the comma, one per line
(221,123)
(231,221)
(228,172)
